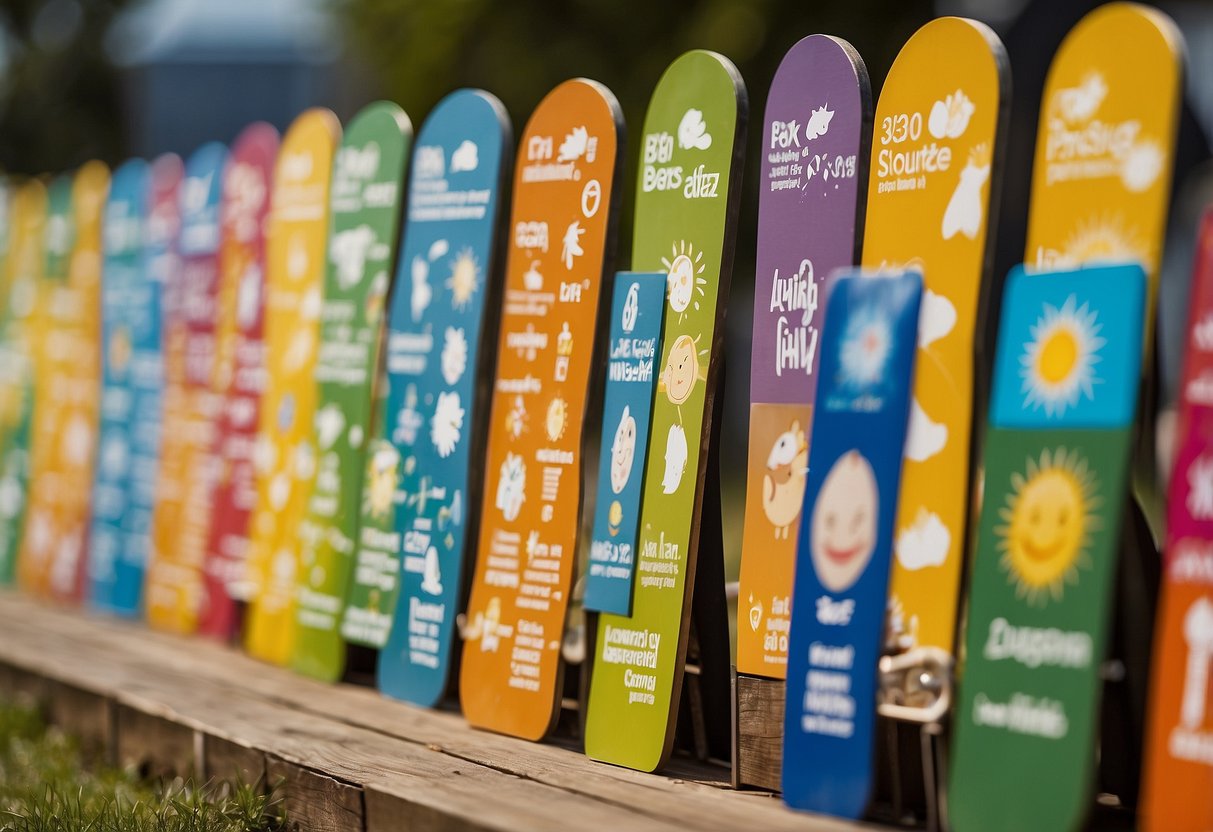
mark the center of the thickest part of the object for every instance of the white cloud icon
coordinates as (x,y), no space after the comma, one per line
(675,459)
(923,544)
(465,157)
(924,438)
(936,318)
(693,131)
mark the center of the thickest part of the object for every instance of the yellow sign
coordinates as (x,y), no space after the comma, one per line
(295,263)
(935,144)
(1101,181)
(69,384)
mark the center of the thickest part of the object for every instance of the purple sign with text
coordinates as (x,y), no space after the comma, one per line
(816,134)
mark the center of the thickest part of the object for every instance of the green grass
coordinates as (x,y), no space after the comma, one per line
(49,784)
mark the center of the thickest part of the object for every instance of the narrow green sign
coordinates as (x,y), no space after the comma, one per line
(364,217)
(686,205)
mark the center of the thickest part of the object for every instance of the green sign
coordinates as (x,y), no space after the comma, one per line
(686,204)
(364,217)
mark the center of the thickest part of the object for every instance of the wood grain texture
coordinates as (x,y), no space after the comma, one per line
(351,758)
(760,710)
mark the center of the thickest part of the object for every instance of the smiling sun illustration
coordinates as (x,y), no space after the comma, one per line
(684,279)
(1058,363)
(464,279)
(1047,524)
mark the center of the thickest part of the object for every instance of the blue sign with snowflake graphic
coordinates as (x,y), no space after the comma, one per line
(637,315)
(421,460)
(844,551)
(1068,350)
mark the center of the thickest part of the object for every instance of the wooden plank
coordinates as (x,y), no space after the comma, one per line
(425,766)
(155,744)
(224,759)
(86,715)
(315,802)
(760,710)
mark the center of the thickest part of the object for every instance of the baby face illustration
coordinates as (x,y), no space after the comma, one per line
(681,370)
(623,451)
(681,282)
(511,487)
(844,522)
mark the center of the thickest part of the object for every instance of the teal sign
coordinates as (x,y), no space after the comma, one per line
(637,315)
(125,316)
(418,484)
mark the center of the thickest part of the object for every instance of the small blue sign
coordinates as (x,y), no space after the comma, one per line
(1058,365)
(637,316)
(123,287)
(844,551)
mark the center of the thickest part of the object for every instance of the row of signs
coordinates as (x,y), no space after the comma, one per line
(310,398)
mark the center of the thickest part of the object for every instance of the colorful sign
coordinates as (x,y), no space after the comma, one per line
(66,422)
(23,276)
(810,208)
(294,284)
(181,521)
(1179,753)
(158,299)
(936,147)
(1056,478)
(686,204)
(364,217)
(1105,146)
(844,554)
(239,368)
(637,315)
(560,225)
(419,485)
(123,279)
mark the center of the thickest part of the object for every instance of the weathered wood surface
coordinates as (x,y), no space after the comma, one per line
(346,757)
(760,736)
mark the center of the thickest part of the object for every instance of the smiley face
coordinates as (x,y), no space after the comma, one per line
(843,532)
(1048,524)
(681,370)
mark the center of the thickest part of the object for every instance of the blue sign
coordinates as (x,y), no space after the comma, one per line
(124,283)
(637,315)
(1056,350)
(418,485)
(844,551)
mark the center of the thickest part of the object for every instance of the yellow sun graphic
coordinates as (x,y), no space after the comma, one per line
(464,279)
(1058,363)
(1047,524)
(557,418)
(684,283)
(1101,240)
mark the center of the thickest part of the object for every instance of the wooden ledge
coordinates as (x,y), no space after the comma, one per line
(348,758)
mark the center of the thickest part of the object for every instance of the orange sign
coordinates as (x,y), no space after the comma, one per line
(559,230)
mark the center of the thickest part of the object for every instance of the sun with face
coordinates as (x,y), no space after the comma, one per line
(1047,522)
(684,277)
(464,279)
(1058,363)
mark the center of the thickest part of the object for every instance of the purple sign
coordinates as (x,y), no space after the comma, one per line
(811,196)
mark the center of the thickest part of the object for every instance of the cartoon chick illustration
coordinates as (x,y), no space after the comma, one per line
(784,482)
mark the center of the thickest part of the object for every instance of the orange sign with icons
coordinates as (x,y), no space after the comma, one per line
(560,229)
(935,147)
(69,369)
(295,264)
